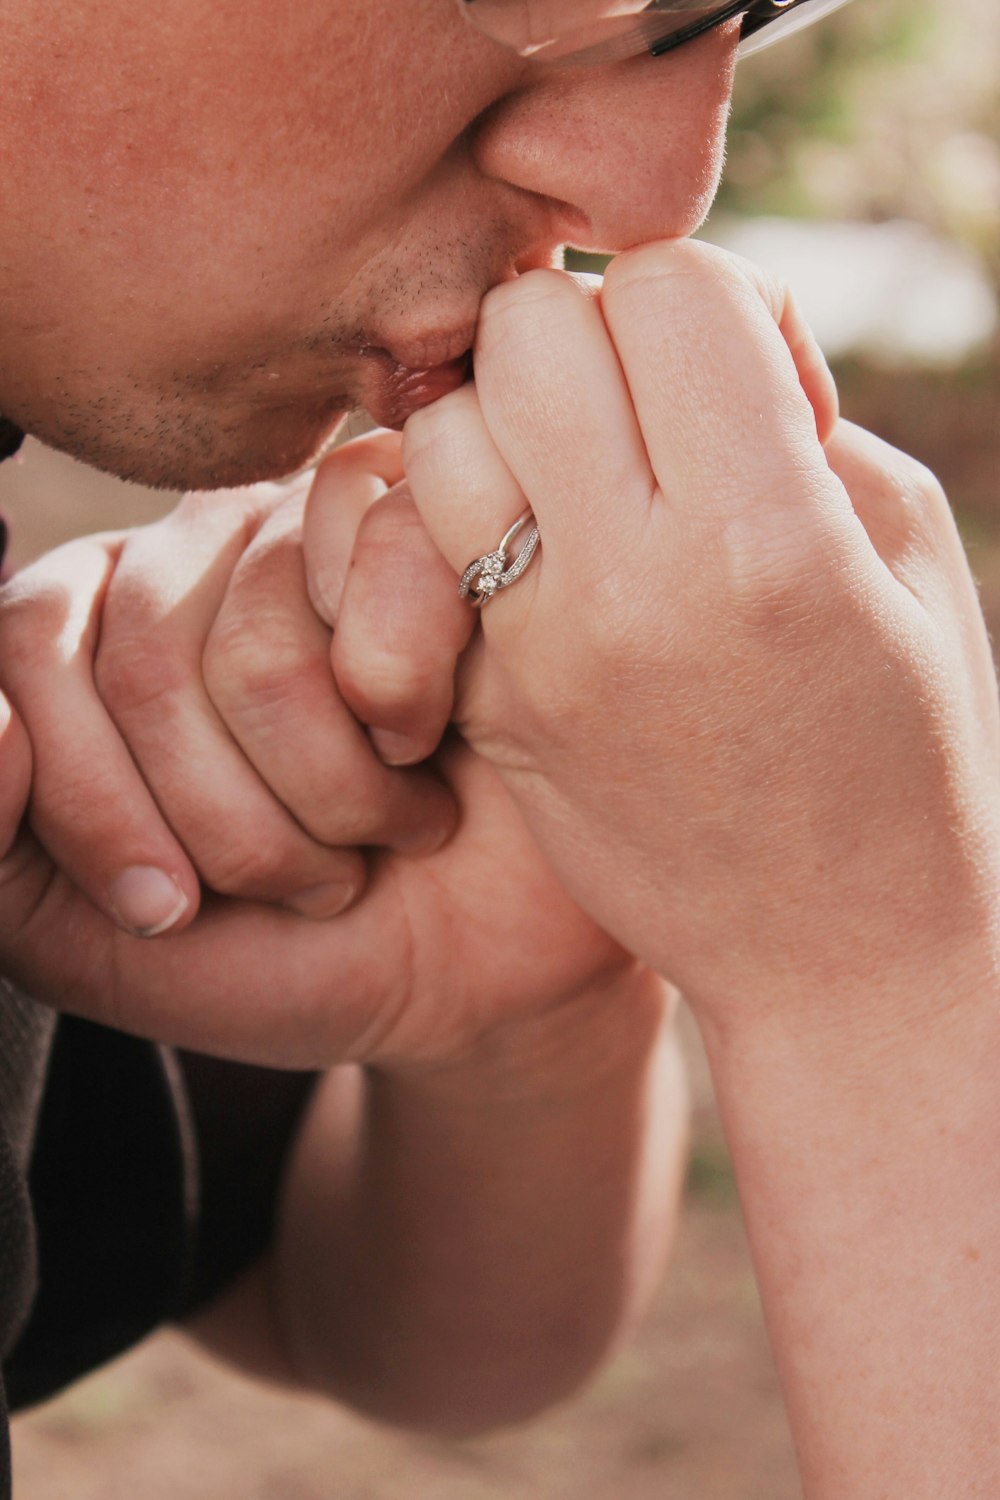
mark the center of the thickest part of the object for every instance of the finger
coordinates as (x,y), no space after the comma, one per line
(909,522)
(15,774)
(557,405)
(815,375)
(161,604)
(730,432)
(89,806)
(401,629)
(346,972)
(267,671)
(346,484)
(898,501)
(463,489)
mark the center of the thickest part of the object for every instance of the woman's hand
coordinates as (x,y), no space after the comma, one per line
(744,697)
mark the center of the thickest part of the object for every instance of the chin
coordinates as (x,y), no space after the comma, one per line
(704,188)
(194,453)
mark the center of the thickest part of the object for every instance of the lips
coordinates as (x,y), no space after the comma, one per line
(395,390)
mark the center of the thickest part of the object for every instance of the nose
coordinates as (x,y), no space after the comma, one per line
(625,153)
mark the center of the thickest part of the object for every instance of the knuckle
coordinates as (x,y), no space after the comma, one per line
(541,286)
(922,491)
(47,611)
(435,441)
(251,866)
(780,594)
(427,429)
(351,815)
(247,671)
(911,501)
(611,626)
(32,614)
(386,686)
(354,813)
(393,550)
(134,672)
(677,278)
(644,265)
(271,567)
(761,550)
(385,524)
(519,312)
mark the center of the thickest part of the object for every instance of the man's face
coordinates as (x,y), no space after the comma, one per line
(229,222)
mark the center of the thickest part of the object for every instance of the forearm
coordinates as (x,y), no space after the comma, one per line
(473,1249)
(869,1174)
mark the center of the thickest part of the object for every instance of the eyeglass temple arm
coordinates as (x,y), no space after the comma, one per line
(757,13)
(763,11)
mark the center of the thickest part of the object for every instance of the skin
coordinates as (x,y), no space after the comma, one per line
(787,802)
(207,219)
(486,1009)
(224,221)
(817,892)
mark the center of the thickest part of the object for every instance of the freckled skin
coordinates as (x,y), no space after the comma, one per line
(210,208)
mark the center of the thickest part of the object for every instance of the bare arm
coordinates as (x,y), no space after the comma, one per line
(746,702)
(462,1245)
(486,1180)
(868,1167)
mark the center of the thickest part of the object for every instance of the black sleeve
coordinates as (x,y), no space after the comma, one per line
(112,1184)
(153,1182)
(244,1120)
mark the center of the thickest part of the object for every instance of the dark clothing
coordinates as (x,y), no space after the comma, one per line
(11,438)
(135,1182)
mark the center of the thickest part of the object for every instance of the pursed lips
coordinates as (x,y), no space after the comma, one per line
(395,387)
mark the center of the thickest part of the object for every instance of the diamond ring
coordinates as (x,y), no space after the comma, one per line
(490,572)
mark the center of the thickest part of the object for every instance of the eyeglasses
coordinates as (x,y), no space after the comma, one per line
(587,32)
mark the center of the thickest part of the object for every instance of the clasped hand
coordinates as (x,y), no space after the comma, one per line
(187,734)
(743,700)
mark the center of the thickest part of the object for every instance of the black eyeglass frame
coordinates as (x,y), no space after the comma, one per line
(756,14)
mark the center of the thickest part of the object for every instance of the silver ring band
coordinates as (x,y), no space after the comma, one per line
(488,573)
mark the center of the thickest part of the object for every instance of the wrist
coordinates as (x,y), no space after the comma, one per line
(866,1159)
(880,996)
(899,1043)
(564,1052)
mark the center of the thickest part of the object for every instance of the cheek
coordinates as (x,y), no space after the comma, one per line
(172,171)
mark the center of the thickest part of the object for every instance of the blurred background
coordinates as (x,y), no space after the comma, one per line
(864,166)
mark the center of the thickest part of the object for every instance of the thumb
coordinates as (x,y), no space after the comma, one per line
(814,373)
(90,808)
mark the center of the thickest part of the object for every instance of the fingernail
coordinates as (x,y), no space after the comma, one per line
(322,901)
(147,901)
(396,749)
(427,840)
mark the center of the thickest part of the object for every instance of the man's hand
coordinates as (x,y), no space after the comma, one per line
(744,696)
(177,690)
(175,684)
(468,1226)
